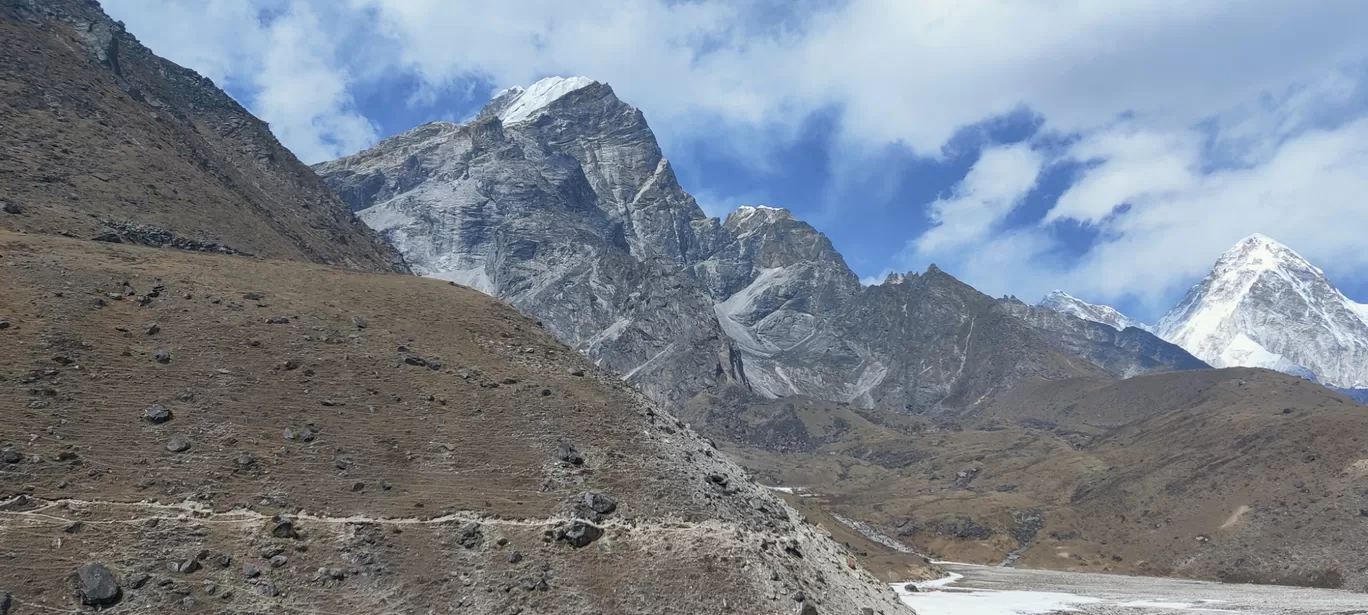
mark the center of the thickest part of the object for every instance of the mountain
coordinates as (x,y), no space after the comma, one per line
(557,199)
(105,140)
(1264,305)
(239,407)
(1065,303)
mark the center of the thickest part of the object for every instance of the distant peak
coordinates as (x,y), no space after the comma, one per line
(1058,294)
(522,104)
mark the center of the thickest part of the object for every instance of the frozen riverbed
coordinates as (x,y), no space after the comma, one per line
(990,590)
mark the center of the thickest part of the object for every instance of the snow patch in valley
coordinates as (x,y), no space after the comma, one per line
(984,602)
(942,597)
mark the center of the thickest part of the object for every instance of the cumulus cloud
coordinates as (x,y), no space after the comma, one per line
(995,185)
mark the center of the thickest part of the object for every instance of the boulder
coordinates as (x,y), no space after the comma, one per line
(97,584)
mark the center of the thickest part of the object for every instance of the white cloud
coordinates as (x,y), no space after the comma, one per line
(1311,193)
(996,184)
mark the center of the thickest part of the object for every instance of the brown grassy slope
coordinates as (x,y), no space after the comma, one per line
(474,439)
(1270,471)
(99,137)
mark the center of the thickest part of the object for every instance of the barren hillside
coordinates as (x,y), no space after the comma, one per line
(430,446)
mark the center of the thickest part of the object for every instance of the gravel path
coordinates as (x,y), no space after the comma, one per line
(988,590)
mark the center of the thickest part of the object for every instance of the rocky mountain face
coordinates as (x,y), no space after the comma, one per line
(557,199)
(1262,305)
(1125,352)
(105,140)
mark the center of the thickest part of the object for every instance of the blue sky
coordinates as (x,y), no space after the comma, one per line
(1111,149)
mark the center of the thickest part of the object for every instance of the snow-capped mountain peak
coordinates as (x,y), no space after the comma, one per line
(523,104)
(1264,305)
(1061,301)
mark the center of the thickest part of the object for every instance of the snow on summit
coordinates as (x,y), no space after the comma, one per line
(1061,301)
(1264,305)
(537,96)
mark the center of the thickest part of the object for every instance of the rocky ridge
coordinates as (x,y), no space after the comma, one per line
(107,141)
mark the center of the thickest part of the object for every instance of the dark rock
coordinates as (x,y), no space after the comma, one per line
(515,557)
(10,208)
(471,536)
(283,527)
(358,322)
(245,461)
(268,589)
(178,444)
(418,361)
(579,534)
(546,392)
(162,356)
(798,596)
(278,320)
(6,602)
(358,486)
(911,588)
(278,561)
(157,414)
(251,571)
(139,580)
(189,566)
(328,403)
(577,372)
(4,324)
(98,586)
(964,528)
(152,328)
(807,609)
(307,434)
(291,364)
(599,503)
(384,484)
(10,455)
(566,452)
(253,296)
